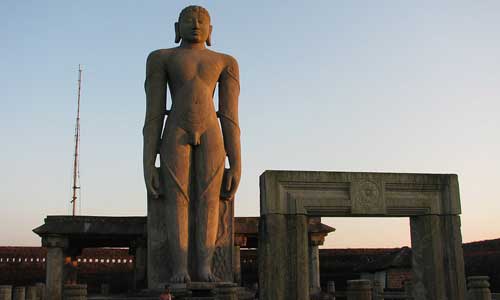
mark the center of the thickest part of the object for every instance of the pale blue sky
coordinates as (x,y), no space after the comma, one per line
(396,86)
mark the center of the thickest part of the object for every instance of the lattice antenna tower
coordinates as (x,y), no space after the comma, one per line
(76,162)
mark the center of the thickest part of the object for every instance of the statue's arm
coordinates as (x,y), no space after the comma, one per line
(156,89)
(229,90)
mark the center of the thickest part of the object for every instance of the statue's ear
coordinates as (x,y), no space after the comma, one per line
(209,39)
(177,33)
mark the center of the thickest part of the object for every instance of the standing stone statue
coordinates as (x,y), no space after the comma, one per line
(192,146)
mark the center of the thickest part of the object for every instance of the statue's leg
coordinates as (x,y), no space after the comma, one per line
(175,155)
(209,159)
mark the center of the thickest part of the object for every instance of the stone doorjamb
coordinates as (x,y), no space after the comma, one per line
(56,247)
(431,201)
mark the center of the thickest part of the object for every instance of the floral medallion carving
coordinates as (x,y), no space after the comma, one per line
(367,197)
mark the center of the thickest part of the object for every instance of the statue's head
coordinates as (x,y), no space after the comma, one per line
(193,25)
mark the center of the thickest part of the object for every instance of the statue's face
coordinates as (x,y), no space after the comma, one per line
(194,27)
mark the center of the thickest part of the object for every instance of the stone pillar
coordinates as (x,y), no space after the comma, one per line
(31,293)
(314,276)
(359,290)
(75,292)
(408,287)
(378,289)
(138,249)
(5,292)
(330,289)
(239,241)
(105,289)
(283,257)
(40,291)
(54,265)
(19,293)
(479,288)
(237,264)
(438,265)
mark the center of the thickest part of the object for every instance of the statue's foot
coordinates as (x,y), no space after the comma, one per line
(208,276)
(180,277)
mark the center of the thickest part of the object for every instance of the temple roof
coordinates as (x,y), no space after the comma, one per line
(105,231)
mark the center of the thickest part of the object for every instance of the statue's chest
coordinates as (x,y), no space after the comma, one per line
(192,67)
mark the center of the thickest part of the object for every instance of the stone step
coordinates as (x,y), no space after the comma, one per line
(124,297)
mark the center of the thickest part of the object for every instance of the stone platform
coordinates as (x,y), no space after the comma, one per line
(190,291)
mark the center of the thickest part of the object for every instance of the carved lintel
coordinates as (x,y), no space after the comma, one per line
(55,241)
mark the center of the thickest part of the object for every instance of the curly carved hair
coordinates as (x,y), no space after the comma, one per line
(194,9)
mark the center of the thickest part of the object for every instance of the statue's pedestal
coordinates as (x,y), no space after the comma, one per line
(227,291)
(158,260)
(205,291)
(202,291)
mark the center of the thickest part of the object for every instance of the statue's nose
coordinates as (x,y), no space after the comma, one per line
(196,24)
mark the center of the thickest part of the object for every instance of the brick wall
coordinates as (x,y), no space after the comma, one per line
(26,265)
(397,277)
(22,265)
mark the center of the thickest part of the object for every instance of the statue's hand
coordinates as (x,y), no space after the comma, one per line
(230,183)
(152,178)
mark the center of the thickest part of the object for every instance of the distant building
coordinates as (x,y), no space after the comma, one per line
(390,270)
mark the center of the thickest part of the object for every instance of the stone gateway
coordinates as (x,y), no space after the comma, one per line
(431,201)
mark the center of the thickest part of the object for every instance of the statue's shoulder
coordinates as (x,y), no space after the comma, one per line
(227,59)
(160,55)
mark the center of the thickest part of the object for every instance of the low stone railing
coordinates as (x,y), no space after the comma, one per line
(75,292)
(363,289)
(34,292)
(380,296)
(478,288)
(391,295)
